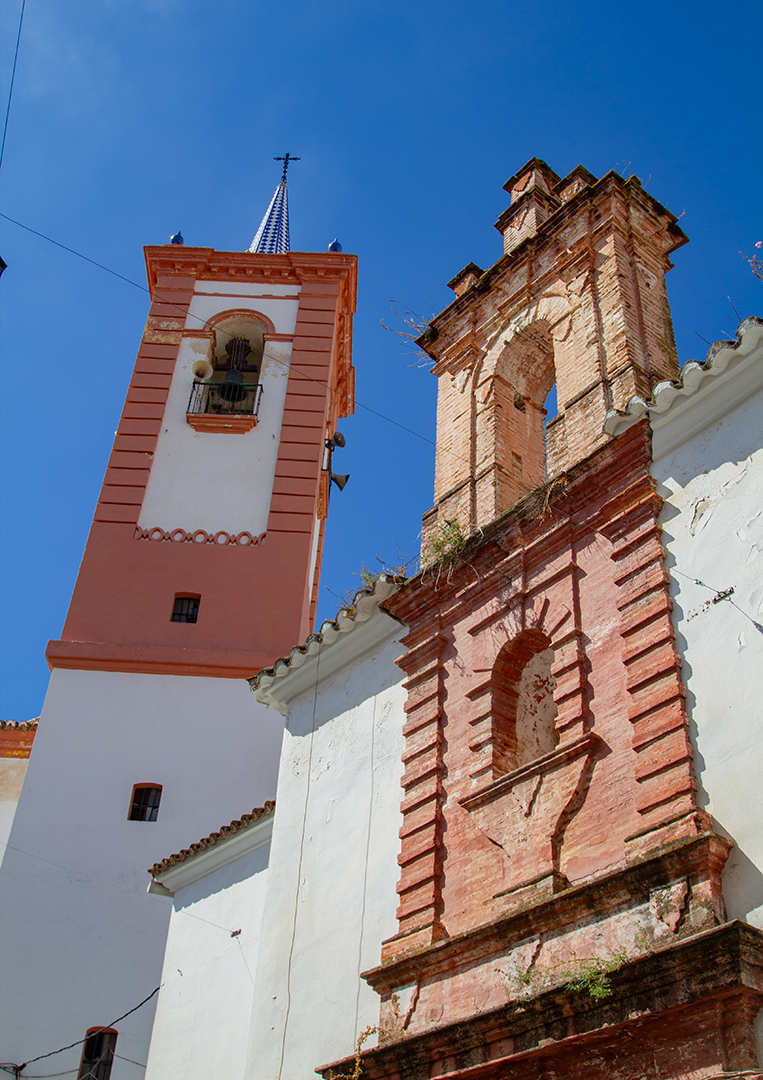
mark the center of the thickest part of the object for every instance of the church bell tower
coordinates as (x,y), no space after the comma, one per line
(202,565)
(216,490)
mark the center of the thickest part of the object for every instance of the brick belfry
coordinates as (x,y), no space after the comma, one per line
(578,299)
(561,910)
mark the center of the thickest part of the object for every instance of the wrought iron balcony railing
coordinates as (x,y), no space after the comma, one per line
(226,398)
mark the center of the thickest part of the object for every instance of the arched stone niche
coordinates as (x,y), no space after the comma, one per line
(522,702)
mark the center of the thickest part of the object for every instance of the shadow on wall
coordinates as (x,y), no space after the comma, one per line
(742,879)
(241,869)
(742,883)
(720,444)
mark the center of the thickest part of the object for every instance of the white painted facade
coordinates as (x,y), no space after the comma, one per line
(708,462)
(331,898)
(214,481)
(207,980)
(329,888)
(76,874)
(707,449)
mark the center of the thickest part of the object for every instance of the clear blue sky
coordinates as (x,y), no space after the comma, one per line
(133,118)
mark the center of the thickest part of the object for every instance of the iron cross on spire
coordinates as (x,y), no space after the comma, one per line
(286,159)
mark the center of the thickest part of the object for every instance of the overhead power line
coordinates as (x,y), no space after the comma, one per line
(164,300)
(13,78)
(78,1042)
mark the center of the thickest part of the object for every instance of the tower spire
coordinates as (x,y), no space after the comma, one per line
(272,237)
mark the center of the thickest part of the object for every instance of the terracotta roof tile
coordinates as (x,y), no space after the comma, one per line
(213,838)
(364,602)
(692,374)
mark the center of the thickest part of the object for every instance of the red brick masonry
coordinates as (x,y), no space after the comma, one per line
(528,889)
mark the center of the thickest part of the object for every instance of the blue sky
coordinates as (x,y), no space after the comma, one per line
(133,118)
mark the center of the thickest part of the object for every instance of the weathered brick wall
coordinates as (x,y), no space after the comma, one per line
(579,299)
(684,1012)
(490,832)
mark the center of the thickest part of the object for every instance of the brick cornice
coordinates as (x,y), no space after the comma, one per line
(154,659)
(512,263)
(702,983)
(604,893)
(292,267)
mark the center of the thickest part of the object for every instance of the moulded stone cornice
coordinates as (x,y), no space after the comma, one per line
(647,993)
(585,744)
(297,265)
(232,842)
(631,187)
(602,893)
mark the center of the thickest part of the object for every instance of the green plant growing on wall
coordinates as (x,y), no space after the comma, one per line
(587,974)
(593,975)
(399,569)
(444,543)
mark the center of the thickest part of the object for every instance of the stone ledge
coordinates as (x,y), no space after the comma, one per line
(699,984)
(609,891)
(221,424)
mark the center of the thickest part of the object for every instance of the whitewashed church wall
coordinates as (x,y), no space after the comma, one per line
(708,463)
(215,480)
(100,733)
(205,1004)
(331,896)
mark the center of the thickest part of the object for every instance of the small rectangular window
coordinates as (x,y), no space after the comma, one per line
(186,609)
(97,1055)
(145,802)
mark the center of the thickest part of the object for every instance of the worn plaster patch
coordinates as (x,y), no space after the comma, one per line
(669,903)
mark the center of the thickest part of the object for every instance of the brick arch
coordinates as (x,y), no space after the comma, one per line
(510,384)
(548,617)
(241,313)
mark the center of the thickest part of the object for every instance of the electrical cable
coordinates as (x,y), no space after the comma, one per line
(41,1057)
(158,297)
(108,884)
(13,79)
(49,1076)
(243,957)
(365,869)
(720,595)
(121,1058)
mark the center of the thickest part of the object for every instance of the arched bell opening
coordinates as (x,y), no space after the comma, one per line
(229,381)
(239,344)
(527,364)
(510,420)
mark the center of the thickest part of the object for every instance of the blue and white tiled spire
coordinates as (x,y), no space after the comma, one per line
(272,237)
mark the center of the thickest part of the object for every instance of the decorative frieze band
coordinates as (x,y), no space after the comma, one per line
(200,536)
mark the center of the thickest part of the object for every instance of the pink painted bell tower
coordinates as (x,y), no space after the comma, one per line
(202,565)
(216,490)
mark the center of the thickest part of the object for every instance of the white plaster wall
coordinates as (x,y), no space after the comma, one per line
(205,1003)
(331,896)
(709,466)
(12,772)
(184,489)
(90,942)
(278,302)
